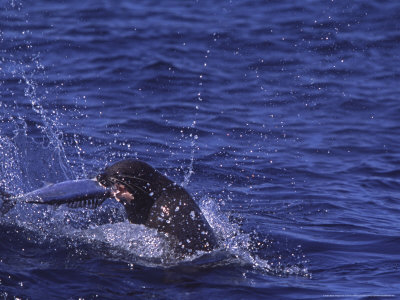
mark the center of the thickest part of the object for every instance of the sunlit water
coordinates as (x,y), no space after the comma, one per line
(280,118)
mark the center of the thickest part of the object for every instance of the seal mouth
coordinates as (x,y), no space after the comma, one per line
(118,190)
(121,193)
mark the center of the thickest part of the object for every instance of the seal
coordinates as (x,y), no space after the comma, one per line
(152,199)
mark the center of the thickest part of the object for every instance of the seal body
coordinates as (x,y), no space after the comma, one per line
(150,198)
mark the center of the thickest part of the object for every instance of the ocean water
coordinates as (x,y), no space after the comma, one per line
(281,118)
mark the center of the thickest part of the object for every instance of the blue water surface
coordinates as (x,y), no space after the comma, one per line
(281,118)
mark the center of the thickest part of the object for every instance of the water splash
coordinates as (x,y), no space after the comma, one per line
(50,126)
(243,246)
(194,137)
(190,171)
(30,131)
(10,171)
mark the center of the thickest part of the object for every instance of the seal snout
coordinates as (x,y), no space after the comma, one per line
(102,180)
(118,190)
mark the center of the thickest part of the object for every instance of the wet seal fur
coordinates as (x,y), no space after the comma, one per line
(152,199)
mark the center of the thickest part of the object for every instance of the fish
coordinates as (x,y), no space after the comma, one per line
(74,193)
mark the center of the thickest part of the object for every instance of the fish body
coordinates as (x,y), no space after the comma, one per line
(74,193)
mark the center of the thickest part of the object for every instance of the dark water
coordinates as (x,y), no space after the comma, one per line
(281,118)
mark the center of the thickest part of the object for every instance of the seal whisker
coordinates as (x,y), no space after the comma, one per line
(129,185)
(133,177)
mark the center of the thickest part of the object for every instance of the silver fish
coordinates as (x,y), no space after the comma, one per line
(74,193)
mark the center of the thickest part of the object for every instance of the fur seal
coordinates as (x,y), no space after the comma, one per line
(152,199)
